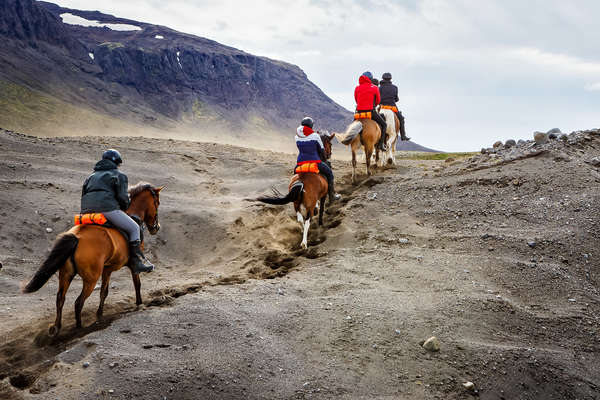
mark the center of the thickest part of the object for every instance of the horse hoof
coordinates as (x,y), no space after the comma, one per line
(304,246)
(53,330)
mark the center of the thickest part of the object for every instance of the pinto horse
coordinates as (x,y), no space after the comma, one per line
(93,251)
(306,190)
(365,133)
(389,156)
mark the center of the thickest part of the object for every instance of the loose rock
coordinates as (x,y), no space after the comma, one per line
(49,230)
(497,144)
(469,386)
(432,344)
(510,143)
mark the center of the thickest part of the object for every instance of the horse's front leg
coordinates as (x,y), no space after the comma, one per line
(368,155)
(137,284)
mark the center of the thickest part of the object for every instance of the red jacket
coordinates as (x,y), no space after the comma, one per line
(366,94)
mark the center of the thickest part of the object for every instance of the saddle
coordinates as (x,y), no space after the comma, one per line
(99,219)
(307,168)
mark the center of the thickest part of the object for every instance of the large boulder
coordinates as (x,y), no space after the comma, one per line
(540,137)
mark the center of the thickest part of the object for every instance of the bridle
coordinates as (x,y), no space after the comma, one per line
(155,226)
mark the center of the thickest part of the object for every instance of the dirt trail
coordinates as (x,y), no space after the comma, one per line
(237,310)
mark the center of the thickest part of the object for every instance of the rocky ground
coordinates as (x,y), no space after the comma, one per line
(494,255)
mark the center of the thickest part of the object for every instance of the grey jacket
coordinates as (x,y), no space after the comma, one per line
(105,190)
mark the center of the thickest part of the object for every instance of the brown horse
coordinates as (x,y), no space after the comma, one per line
(365,133)
(93,251)
(305,190)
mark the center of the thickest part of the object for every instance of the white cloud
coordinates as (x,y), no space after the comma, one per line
(592,87)
(469,72)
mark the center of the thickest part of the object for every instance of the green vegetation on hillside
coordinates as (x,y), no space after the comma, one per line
(433,156)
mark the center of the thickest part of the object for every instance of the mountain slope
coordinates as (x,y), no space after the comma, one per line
(152,78)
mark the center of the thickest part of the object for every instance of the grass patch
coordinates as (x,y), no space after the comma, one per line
(434,156)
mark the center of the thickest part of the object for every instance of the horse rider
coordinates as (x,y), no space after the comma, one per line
(367,99)
(311,150)
(105,191)
(389,97)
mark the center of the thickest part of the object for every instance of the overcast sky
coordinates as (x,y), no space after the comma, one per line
(469,72)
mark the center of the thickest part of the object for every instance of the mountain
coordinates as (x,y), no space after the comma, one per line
(121,76)
(412,146)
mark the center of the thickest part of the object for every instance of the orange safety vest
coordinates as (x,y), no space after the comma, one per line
(362,115)
(307,168)
(393,108)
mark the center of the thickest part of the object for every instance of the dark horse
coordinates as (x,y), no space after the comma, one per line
(93,251)
(305,190)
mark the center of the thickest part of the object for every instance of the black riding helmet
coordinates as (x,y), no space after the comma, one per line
(386,76)
(307,121)
(112,155)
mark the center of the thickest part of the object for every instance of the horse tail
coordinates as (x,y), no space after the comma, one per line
(294,194)
(64,247)
(353,130)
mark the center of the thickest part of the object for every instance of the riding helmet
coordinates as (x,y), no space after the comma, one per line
(386,76)
(307,121)
(112,155)
(368,74)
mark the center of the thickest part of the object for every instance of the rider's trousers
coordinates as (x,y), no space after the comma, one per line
(124,222)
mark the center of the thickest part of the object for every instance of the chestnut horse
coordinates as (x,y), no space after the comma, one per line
(93,251)
(365,133)
(305,190)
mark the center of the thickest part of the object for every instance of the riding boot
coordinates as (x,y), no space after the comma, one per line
(333,196)
(136,258)
(402,129)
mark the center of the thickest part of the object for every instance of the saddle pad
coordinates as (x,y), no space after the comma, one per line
(90,219)
(393,108)
(307,168)
(362,115)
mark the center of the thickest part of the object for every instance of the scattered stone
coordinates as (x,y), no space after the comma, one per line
(403,241)
(398,332)
(521,142)
(595,161)
(510,143)
(483,150)
(469,386)
(498,144)
(280,292)
(552,136)
(531,244)
(113,364)
(0,265)
(540,137)
(49,230)
(432,344)
(563,137)
(572,300)
(85,364)
(372,196)
(111,391)
(554,130)
(449,160)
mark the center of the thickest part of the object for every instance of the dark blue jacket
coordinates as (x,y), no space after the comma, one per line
(389,93)
(105,190)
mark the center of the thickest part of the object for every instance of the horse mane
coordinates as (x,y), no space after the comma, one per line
(139,188)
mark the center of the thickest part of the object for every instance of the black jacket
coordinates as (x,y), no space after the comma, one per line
(105,190)
(389,93)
